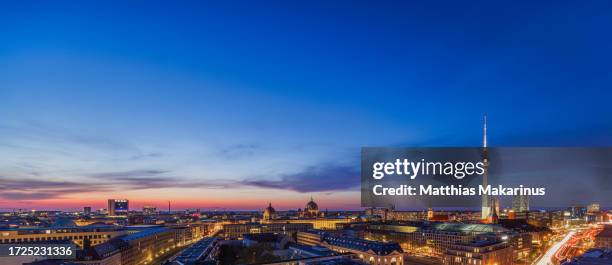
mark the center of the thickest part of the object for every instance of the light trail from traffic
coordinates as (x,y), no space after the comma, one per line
(547,257)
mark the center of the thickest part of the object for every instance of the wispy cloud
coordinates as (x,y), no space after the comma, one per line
(128,174)
(25,189)
(239,151)
(146,156)
(313,179)
(42,133)
(28,189)
(154,179)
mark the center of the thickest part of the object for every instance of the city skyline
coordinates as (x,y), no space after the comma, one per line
(209,105)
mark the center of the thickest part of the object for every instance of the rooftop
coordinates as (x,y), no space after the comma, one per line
(58,228)
(339,261)
(106,249)
(408,227)
(593,257)
(196,251)
(380,248)
(606,232)
(314,250)
(144,233)
(469,228)
(521,225)
(263,237)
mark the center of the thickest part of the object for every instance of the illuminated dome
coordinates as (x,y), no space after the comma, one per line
(269,212)
(311,210)
(312,206)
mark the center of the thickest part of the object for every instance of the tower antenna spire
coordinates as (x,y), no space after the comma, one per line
(484,144)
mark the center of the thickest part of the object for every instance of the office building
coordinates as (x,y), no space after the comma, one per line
(371,252)
(480,252)
(432,238)
(237,231)
(118,207)
(149,210)
(520,203)
(141,246)
(577,212)
(604,238)
(593,208)
(96,234)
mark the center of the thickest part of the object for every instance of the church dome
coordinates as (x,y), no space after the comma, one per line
(270,210)
(312,206)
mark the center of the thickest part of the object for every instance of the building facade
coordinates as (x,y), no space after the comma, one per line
(237,231)
(604,238)
(520,203)
(371,252)
(95,234)
(479,253)
(118,207)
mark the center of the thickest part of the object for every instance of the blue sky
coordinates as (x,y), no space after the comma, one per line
(261,97)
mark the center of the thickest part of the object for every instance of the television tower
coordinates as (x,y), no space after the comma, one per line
(486,207)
